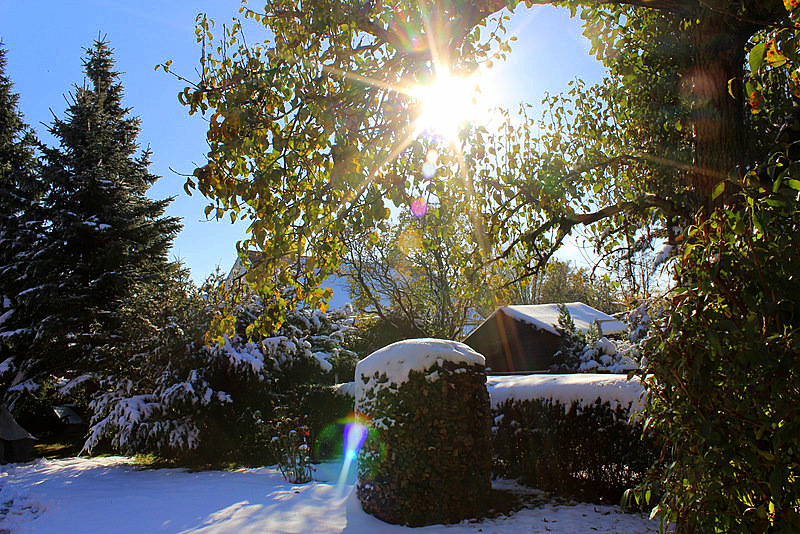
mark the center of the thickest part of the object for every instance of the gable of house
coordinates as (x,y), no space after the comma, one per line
(524,338)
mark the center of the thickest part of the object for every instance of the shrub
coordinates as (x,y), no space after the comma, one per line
(588,352)
(209,402)
(427,457)
(290,448)
(725,367)
(571,343)
(590,452)
(324,411)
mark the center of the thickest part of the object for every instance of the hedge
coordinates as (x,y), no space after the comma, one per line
(586,452)
(569,434)
(427,458)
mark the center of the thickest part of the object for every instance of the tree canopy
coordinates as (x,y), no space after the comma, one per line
(313,130)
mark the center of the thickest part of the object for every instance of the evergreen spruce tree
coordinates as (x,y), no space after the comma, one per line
(20,227)
(104,236)
(571,344)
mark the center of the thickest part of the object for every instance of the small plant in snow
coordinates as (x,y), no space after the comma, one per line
(290,446)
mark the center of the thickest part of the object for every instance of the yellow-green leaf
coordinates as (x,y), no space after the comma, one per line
(718,190)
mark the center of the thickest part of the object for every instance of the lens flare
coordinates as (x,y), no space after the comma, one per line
(419,208)
(355,434)
(428,170)
(446,104)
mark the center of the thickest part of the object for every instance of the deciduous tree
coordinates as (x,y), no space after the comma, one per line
(313,133)
(416,276)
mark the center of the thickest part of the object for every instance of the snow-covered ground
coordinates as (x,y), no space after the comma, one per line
(87,495)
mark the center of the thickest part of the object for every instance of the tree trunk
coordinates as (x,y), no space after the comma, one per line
(718,114)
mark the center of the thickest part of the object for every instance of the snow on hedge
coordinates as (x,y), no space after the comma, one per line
(347,389)
(583,388)
(397,360)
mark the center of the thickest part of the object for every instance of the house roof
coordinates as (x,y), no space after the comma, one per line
(545,317)
(9,429)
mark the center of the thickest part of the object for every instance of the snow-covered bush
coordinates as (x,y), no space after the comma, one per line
(587,352)
(606,355)
(207,398)
(426,459)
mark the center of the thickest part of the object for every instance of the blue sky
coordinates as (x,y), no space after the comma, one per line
(45,40)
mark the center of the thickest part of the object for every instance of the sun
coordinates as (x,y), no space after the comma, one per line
(447,104)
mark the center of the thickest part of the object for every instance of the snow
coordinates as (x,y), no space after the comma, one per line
(244,355)
(545,317)
(397,360)
(6,365)
(109,495)
(65,387)
(6,315)
(604,355)
(12,333)
(67,415)
(322,360)
(28,385)
(583,388)
(346,389)
(666,253)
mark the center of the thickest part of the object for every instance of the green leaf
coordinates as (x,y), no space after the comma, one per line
(794,184)
(718,190)
(749,88)
(757,57)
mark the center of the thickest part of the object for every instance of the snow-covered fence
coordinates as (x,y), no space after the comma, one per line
(427,457)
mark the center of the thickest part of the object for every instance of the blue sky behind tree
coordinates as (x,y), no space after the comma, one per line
(45,41)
